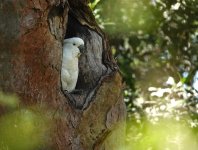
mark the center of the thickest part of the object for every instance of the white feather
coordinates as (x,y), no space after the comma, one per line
(69,71)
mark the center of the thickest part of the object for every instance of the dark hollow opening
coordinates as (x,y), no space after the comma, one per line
(90,63)
(91,67)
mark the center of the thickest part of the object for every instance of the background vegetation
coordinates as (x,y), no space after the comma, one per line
(155,43)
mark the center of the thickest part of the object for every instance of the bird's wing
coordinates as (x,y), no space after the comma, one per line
(65,75)
(69,72)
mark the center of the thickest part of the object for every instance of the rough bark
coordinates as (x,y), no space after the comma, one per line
(31,35)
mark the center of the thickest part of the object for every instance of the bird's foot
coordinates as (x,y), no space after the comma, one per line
(73,100)
(77,91)
(70,97)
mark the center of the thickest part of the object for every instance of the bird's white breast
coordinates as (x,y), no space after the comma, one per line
(69,72)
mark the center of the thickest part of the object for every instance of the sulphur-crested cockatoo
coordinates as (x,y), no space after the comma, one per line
(69,72)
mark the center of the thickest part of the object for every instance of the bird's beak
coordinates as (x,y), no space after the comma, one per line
(82,48)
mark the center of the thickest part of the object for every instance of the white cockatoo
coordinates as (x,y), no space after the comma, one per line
(69,73)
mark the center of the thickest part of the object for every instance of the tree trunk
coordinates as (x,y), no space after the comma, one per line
(31,35)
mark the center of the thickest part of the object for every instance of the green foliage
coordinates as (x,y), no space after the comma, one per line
(24,128)
(172,100)
(129,16)
(151,40)
(168,118)
(156,40)
(164,135)
(93,4)
(8,100)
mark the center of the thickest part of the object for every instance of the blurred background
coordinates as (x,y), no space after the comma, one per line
(155,43)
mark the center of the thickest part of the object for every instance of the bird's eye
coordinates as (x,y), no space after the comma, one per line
(74,44)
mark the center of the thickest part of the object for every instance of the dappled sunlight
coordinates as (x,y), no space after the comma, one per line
(155,45)
(195,81)
(168,120)
(128,16)
(164,135)
(172,100)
